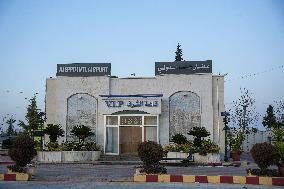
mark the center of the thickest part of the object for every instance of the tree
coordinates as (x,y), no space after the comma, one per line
(179,139)
(82,132)
(178,52)
(54,131)
(280,112)
(23,126)
(34,118)
(269,120)
(10,122)
(243,114)
(198,133)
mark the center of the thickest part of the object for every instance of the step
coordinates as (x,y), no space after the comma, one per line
(119,158)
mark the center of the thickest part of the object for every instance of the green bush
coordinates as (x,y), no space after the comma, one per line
(199,133)
(16,168)
(266,172)
(151,153)
(82,132)
(54,131)
(52,146)
(207,146)
(186,148)
(279,146)
(79,146)
(179,139)
(264,155)
(23,151)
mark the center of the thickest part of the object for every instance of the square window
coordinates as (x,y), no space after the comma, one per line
(111,120)
(150,120)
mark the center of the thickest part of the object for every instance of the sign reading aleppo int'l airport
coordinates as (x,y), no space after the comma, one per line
(83,69)
(183,67)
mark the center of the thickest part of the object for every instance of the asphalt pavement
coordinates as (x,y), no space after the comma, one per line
(123,185)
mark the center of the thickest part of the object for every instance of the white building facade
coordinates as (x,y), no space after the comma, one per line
(122,112)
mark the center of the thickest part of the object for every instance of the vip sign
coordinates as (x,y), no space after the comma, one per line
(131,103)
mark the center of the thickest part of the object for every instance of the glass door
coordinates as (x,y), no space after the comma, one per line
(111,135)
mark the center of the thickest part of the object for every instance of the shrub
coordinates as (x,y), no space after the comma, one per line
(16,168)
(179,139)
(52,146)
(264,155)
(207,146)
(23,151)
(186,148)
(198,133)
(151,153)
(79,146)
(54,131)
(267,172)
(82,132)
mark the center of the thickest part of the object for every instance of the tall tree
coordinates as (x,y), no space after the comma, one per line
(25,127)
(269,120)
(33,117)
(178,52)
(243,113)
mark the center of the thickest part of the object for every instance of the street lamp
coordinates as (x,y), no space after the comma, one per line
(226,128)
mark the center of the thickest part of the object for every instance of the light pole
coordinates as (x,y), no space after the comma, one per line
(226,128)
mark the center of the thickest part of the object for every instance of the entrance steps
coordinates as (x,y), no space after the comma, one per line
(119,158)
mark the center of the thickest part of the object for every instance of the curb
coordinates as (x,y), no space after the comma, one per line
(14,177)
(255,180)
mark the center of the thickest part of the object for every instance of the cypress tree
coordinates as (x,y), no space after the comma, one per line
(178,52)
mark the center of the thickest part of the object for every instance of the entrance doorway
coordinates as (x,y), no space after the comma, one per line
(129,139)
(124,132)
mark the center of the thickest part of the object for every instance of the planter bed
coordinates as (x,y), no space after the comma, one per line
(68,156)
(49,157)
(175,157)
(209,158)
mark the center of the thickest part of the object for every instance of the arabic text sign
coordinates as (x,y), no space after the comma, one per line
(131,103)
(183,67)
(83,69)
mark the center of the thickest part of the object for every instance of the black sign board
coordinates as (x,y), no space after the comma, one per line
(183,67)
(83,69)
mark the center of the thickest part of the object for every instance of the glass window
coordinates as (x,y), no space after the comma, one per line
(150,120)
(150,134)
(130,120)
(111,120)
(111,140)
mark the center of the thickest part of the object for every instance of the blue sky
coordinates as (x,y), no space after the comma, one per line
(241,37)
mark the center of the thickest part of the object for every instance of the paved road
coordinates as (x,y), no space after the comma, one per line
(124,185)
(91,172)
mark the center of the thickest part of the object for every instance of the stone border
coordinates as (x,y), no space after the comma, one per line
(67,156)
(255,180)
(14,177)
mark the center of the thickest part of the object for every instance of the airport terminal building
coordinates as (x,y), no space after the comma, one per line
(122,112)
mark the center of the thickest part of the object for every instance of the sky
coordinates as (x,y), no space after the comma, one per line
(242,38)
